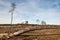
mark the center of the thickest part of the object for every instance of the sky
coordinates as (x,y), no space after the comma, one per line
(30,10)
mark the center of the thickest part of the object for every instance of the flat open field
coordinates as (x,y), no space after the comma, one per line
(52,32)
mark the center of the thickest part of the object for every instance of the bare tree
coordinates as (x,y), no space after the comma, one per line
(12,11)
(38,21)
(43,23)
(26,22)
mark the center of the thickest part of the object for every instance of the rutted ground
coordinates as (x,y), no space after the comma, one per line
(40,34)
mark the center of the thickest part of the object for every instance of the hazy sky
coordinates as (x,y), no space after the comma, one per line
(31,10)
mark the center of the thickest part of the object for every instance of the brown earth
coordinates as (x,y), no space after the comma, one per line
(50,32)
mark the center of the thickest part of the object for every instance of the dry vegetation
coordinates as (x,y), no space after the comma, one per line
(45,34)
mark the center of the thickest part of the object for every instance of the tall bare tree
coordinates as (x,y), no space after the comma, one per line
(13,6)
